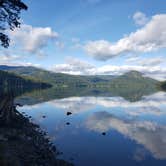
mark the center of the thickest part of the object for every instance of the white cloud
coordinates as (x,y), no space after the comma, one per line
(140,18)
(142,61)
(8,58)
(73,66)
(147,39)
(156,72)
(149,67)
(74,104)
(151,62)
(32,39)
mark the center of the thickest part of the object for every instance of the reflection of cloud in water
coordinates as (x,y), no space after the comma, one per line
(149,104)
(139,154)
(75,104)
(160,97)
(149,134)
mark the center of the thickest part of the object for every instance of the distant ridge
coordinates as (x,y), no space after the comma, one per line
(133,73)
(131,78)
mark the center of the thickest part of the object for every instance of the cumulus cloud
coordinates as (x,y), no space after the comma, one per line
(32,39)
(149,38)
(73,66)
(140,18)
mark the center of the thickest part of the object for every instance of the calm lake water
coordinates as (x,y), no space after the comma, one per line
(102,130)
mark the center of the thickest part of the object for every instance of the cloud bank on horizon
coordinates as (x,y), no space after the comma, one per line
(150,68)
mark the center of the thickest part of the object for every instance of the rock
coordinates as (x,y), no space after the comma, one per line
(18,104)
(68,113)
(103,133)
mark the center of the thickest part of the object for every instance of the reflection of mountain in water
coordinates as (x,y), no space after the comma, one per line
(148,105)
(21,141)
(130,94)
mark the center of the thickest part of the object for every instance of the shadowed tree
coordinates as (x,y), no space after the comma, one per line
(9,18)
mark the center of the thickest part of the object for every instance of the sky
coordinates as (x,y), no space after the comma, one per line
(91,37)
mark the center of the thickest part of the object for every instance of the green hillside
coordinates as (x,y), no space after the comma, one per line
(10,80)
(56,79)
(131,86)
(131,79)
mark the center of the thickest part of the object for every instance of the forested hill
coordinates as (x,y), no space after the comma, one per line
(10,80)
(46,76)
(132,79)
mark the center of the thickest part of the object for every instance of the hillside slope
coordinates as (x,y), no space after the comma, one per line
(10,80)
(131,79)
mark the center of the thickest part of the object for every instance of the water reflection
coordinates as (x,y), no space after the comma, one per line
(147,133)
(88,126)
(148,105)
(39,96)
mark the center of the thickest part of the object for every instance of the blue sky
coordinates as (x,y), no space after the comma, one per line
(91,37)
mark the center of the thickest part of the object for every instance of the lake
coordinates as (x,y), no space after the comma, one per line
(97,128)
(100,129)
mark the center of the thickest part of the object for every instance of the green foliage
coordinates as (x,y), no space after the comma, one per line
(10,81)
(9,18)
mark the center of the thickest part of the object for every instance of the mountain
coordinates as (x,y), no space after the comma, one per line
(44,75)
(11,80)
(132,79)
(56,79)
(131,85)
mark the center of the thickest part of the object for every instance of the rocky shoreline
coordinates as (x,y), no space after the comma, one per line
(23,143)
